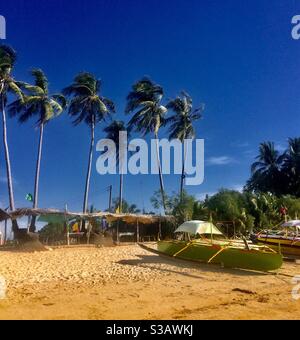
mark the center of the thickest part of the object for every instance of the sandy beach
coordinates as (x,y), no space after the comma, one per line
(128,282)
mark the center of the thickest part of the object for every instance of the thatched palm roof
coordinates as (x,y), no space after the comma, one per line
(128,218)
(4,215)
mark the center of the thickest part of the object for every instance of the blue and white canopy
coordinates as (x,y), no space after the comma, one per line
(293,223)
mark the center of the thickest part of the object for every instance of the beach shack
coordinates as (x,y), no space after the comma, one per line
(82,227)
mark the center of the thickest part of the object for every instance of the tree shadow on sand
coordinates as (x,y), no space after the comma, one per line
(147,261)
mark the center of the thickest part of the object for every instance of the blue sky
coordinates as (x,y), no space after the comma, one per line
(237,57)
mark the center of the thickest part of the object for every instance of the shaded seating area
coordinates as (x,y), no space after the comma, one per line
(134,227)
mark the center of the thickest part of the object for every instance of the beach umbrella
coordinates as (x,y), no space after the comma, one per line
(198,227)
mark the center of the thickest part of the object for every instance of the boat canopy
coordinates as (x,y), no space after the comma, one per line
(294,223)
(198,227)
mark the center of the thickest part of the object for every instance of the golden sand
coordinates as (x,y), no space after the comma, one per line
(129,283)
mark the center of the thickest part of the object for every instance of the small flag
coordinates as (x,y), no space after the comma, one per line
(29,198)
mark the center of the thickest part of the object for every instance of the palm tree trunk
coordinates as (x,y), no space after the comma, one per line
(8,165)
(120,204)
(37,178)
(161,181)
(182,181)
(121,193)
(88,176)
(183,173)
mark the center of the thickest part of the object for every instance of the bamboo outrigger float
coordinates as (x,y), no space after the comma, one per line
(212,247)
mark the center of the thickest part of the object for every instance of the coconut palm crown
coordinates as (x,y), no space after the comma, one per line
(40,104)
(8,86)
(182,124)
(144,102)
(89,106)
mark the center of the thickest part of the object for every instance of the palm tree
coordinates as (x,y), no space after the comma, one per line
(144,101)
(7,86)
(291,166)
(127,207)
(266,171)
(38,102)
(182,124)
(113,133)
(87,105)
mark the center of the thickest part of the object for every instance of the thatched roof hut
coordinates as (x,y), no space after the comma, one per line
(66,215)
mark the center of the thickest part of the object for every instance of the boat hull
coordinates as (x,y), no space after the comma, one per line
(230,257)
(284,245)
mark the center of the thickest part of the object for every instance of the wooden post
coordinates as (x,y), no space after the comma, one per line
(118,231)
(5,232)
(67,226)
(233,229)
(137,231)
(68,235)
(89,232)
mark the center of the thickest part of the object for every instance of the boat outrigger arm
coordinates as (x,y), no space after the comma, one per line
(191,243)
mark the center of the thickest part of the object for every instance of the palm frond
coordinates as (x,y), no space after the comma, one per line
(40,79)
(62,100)
(8,56)
(56,107)
(12,87)
(35,90)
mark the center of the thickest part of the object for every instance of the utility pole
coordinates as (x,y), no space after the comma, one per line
(110,198)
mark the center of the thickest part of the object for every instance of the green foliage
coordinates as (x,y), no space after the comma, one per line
(127,208)
(113,132)
(87,104)
(276,173)
(52,230)
(7,84)
(8,57)
(181,123)
(37,101)
(182,207)
(245,211)
(144,101)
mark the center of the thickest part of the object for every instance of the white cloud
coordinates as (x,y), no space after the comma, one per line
(238,187)
(235,187)
(3,180)
(222,160)
(280,147)
(240,144)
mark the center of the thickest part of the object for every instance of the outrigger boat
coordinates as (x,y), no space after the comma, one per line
(203,242)
(286,240)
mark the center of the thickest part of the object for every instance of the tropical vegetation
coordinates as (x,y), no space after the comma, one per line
(271,194)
